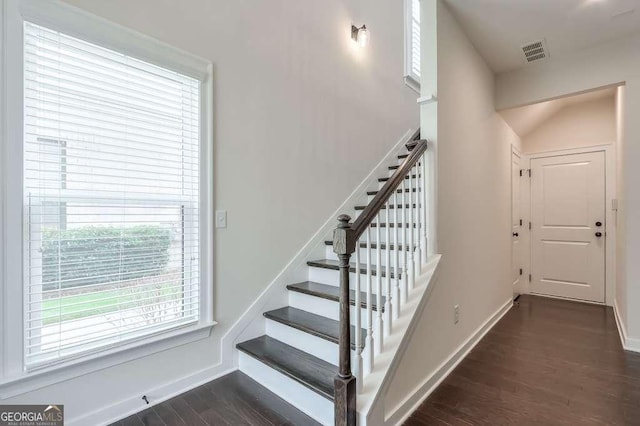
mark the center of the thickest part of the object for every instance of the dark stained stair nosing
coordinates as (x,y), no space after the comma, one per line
(332,293)
(306,369)
(384,179)
(397,166)
(391,206)
(334,265)
(313,324)
(399,191)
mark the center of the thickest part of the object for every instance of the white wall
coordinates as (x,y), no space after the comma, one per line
(621,253)
(301,116)
(599,66)
(575,126)
(474,205)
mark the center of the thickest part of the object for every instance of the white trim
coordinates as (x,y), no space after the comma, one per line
(610,220)
(3,180)
(412,82)
(127,407)
(402,412)
(371,401)
(425,100)
(38,379)
(57,15)
(63,17)
(628,344)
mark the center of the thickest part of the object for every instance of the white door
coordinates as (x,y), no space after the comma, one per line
(516,223)
(568,226)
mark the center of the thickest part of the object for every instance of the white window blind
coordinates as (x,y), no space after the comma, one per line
(111,197)
(413,40)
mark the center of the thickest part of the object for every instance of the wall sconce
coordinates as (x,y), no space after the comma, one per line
(360,35)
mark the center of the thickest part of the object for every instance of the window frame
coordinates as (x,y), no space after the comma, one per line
(410,78)
(15,379)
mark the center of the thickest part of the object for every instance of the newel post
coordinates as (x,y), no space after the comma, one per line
(344,245)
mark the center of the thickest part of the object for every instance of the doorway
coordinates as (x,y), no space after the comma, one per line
(516,222)
(568,226)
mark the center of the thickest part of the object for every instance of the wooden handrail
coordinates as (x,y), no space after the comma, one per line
(345,240)
(373,208)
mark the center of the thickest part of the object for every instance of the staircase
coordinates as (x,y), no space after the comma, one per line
(307,352)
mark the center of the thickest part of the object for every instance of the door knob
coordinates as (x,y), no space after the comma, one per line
(598,234)
(515,234)
(598,223)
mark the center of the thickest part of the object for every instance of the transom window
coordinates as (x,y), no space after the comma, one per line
(412,43)
(111,197)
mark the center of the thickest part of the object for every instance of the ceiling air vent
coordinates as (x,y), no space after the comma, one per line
(535,51)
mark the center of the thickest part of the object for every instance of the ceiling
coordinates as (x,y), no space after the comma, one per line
(524,120)
(498,28)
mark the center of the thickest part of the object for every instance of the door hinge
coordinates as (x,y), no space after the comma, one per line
(529,225)
(520,271)
(529,277)
(520,222)
(529,172)
(521,170)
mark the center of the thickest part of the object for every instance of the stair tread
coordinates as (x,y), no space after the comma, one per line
(334,264)
(397,166)
(392,206)
(332,293)
(306,369)
(399,191)
(384,179)
(383,246)
(316,325)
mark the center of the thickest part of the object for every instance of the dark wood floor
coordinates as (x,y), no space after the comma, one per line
(234,399)
(547,362)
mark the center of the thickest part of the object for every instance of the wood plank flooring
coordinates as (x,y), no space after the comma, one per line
(547,362)
(234,399)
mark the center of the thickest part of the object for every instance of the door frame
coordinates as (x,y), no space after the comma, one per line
(523,248)
(610,214)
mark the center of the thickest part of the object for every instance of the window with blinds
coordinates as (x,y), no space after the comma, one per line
(111,197)
(413,40)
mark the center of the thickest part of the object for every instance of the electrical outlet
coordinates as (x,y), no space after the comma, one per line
(221,219)
(456,314)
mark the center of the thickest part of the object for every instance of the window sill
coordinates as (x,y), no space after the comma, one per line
(412,83)
(29,381)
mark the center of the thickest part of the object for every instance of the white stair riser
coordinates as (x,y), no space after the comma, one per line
(332,277)
(318,347)
(363,257)
(326,308)
(301,397)
(401,211)
(416,197)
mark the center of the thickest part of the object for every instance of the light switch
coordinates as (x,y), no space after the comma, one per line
(221,219)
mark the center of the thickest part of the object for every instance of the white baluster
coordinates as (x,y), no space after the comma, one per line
(412,266)
(423,200)
(405,265)
(419,223)
(387,304)
(378,337)
(358,365)
(368,343)
(395,299)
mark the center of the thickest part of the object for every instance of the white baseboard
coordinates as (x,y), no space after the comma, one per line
(127,407)
(422,392)
(628,343)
